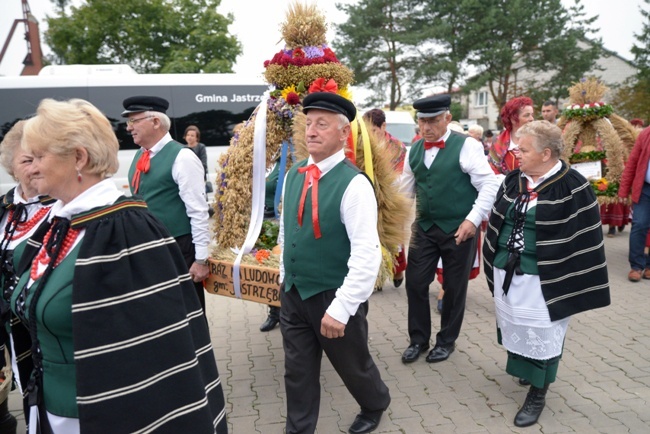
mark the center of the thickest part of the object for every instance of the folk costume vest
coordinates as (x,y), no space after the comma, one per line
(445,194)
(568,241)
(316,265)
(54,316)
(158,189)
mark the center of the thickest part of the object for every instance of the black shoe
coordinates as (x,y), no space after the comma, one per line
(269,324)
(365,422)
(412,353)
(439,354)
(532,408)
(398,282)
(524,382)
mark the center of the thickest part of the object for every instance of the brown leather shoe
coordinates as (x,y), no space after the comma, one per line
(646,273)
(634,275)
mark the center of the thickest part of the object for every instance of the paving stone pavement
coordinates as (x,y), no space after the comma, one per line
(603,383)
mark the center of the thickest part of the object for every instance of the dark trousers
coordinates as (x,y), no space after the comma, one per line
(187,248)
(300,322)
(640,226)
(427,247)
(274,312)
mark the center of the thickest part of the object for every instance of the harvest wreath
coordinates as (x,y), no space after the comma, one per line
(275,134)
(593,133)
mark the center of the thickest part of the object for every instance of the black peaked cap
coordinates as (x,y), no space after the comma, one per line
(432,106)
(331,102)
(142,103)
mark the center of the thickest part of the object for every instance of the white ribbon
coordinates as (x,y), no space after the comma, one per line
(259,178)
(33,419)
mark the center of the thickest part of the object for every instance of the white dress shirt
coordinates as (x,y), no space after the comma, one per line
(359,215)
(473,162)
(187,172)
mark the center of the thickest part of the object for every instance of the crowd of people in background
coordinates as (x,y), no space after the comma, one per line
(83,232)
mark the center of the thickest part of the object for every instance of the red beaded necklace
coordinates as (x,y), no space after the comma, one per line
(23,228)
(44,259)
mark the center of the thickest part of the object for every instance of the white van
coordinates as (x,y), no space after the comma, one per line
(401,125)
(215,103)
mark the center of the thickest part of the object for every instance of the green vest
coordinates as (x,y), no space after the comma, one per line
(528,258)
(160,191)
(316,265)
(445,194)
(54,316)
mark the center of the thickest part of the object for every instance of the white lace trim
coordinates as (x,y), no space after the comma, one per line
(522,317)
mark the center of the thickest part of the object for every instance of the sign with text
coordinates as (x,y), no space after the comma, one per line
(591,170)
(258,284)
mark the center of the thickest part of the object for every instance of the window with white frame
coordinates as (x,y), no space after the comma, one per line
(481,99)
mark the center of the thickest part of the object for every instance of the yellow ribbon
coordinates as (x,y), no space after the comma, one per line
(367,150)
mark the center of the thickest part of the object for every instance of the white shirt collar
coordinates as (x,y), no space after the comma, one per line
(161,144)
(101,194)
(18,196)
(544,177)
(328,163)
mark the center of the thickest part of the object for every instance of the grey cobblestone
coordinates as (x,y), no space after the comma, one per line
(603,383)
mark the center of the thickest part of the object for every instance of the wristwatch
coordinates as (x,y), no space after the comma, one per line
(201,261)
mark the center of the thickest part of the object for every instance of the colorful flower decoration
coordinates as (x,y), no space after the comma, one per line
(345,93)
(320,85)
(592,110)
(303,56)
(293,98)
(287,90)
(602,187)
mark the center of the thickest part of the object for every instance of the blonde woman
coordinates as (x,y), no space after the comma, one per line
(117,335)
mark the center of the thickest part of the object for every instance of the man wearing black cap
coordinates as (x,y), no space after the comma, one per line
(455,188)
(169,177)
(331,257)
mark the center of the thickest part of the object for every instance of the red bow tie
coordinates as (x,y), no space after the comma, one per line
(439,144)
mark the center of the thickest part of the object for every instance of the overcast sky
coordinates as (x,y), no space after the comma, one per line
(257,25)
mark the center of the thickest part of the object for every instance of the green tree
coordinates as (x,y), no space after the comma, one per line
(445,34)
(641,51)
(632,100)
(371,43)
(529,46)
(61,5)
(151,36)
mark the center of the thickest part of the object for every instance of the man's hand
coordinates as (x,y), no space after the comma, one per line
(331,328)
(465,231)
(199,272)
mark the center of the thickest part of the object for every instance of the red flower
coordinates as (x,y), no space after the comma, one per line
(297,52)
(602,187)
(293,98)
(319,85)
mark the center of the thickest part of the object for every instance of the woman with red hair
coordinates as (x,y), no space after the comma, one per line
(503,153)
